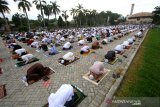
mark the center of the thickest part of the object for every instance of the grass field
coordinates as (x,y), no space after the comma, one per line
(143,76)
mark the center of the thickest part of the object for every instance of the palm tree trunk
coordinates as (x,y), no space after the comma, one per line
(7,27)
(42,15)
(55,16)
(28,21)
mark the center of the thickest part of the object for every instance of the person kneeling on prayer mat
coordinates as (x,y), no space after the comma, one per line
(81,42)
(130,40)
(21,51)
(119,49)
(96,45)
(104,41)
(26,58)
(67,46)
(63,97)
(35,72)
(35,44)
(15,47)
(53,50)
(110,56)
(96,70)
(68,57)
(89,39)
(44,47)
(126,45)
(85,49)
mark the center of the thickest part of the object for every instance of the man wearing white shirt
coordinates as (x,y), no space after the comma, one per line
(119,49)
(67,46)
(63,94)
(126,44)
(20,51)
(81,42)
(26,58)
(35,44)
(84,49)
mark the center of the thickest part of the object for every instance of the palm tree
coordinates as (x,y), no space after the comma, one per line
(94,13)
(48,10)
(65,16)
(40,6)
(73,13)
(25,5)
(85,12)
(55,8)
(79,11)
(4,9)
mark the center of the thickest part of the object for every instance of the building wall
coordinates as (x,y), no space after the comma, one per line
(139,20)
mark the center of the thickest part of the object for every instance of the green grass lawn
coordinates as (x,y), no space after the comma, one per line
(143,76)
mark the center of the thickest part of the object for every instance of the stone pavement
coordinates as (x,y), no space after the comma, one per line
(36,95)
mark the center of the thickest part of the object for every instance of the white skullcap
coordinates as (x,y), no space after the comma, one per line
(91,77)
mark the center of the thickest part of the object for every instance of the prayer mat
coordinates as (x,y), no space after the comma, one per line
(78,97)
(86,54)
(1,60)
(69,62)
(114,61)
(99,79)
(111,62)
(20,64)
(51,72)
(47,55)
(121,53)
(3,92)
(128,47)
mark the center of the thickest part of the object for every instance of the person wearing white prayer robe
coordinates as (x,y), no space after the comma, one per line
(67,46)
(126,44)
(81,42)
(85,49)
(35,44)
(119,49)
(64,94)
(130,40)
(20,52)
(69,56)
(26,58)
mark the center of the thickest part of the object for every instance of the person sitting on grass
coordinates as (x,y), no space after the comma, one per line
(67,46)
(53,50)
(96,45)
(110,56)
(85,49)
(81,42)
(96,70)
(119,49)
(35,72)
(63,97)
(26,58)
(68,57)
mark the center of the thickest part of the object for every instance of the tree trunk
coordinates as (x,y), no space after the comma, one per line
(42,15)
(28,21)
(6,26)
(55,16)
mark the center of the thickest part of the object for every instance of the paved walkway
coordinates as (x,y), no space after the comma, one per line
(36,95)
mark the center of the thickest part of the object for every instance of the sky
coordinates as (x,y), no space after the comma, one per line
(122,7)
